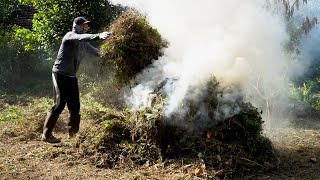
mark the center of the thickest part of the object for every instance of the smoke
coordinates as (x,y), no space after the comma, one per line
(309,44)
(241,43)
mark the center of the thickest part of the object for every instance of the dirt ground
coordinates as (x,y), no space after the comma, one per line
(34,159)
(298,152)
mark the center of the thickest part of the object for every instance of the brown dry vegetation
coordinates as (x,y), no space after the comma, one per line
(36,160)
(133,45)
(23,156)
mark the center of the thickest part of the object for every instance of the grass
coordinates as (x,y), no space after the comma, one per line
(10,113)
(22,117)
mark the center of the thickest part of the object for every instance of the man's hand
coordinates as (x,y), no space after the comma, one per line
(104,35)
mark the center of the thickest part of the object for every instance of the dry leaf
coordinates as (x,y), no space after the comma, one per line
(199,170)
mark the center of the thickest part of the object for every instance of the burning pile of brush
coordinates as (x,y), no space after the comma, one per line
(149,135)
(133,138)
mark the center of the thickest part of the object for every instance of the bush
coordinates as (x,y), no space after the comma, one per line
(18,65)
(308,93)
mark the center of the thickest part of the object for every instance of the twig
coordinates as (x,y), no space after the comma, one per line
(242,158)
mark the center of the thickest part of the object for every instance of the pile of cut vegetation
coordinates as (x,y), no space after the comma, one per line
(233,147)
(133,45)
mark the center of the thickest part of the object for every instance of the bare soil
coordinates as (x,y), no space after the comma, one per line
(26,157)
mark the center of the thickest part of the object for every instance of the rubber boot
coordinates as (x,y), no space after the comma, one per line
(73,124)
(49,124)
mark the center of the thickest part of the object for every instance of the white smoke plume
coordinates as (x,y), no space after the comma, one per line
(241,43)
(310,44)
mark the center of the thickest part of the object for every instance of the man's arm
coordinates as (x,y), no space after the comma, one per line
(81,37)
(86,37)
(91,50)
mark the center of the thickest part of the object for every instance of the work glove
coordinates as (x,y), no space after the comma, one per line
(104,35)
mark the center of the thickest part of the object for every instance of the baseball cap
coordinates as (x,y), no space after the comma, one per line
(80,20)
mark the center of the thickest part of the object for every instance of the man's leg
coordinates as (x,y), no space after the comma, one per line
(48,126)
(73,103)
(73,124)
(53,115)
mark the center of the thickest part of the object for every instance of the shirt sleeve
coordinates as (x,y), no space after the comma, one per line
(81,37)
(91,50)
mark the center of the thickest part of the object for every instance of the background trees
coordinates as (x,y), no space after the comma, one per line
(6,13)
(24,50)
(54,17)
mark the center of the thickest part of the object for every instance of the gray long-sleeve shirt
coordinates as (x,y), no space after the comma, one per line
(71,51)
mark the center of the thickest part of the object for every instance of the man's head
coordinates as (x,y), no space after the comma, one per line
(82,22)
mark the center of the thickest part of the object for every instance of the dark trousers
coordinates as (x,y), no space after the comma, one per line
(65,91)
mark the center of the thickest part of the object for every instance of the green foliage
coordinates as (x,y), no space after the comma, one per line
(11,113)
(7,18)
(55,17)
(132,47)
(107,132)
(307,93)
(96,110)
(296,33)
(17,63)
(304,88)
(291,6)
(23,110)
(24,115)
(245,127)
(29,40)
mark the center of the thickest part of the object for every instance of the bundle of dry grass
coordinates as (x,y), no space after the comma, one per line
(132,46)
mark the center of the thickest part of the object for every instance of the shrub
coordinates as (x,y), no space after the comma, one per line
(18,64)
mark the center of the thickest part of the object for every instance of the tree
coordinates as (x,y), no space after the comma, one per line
(7,7)
(54,17)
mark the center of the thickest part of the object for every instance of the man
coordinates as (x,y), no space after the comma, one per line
(64,79)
